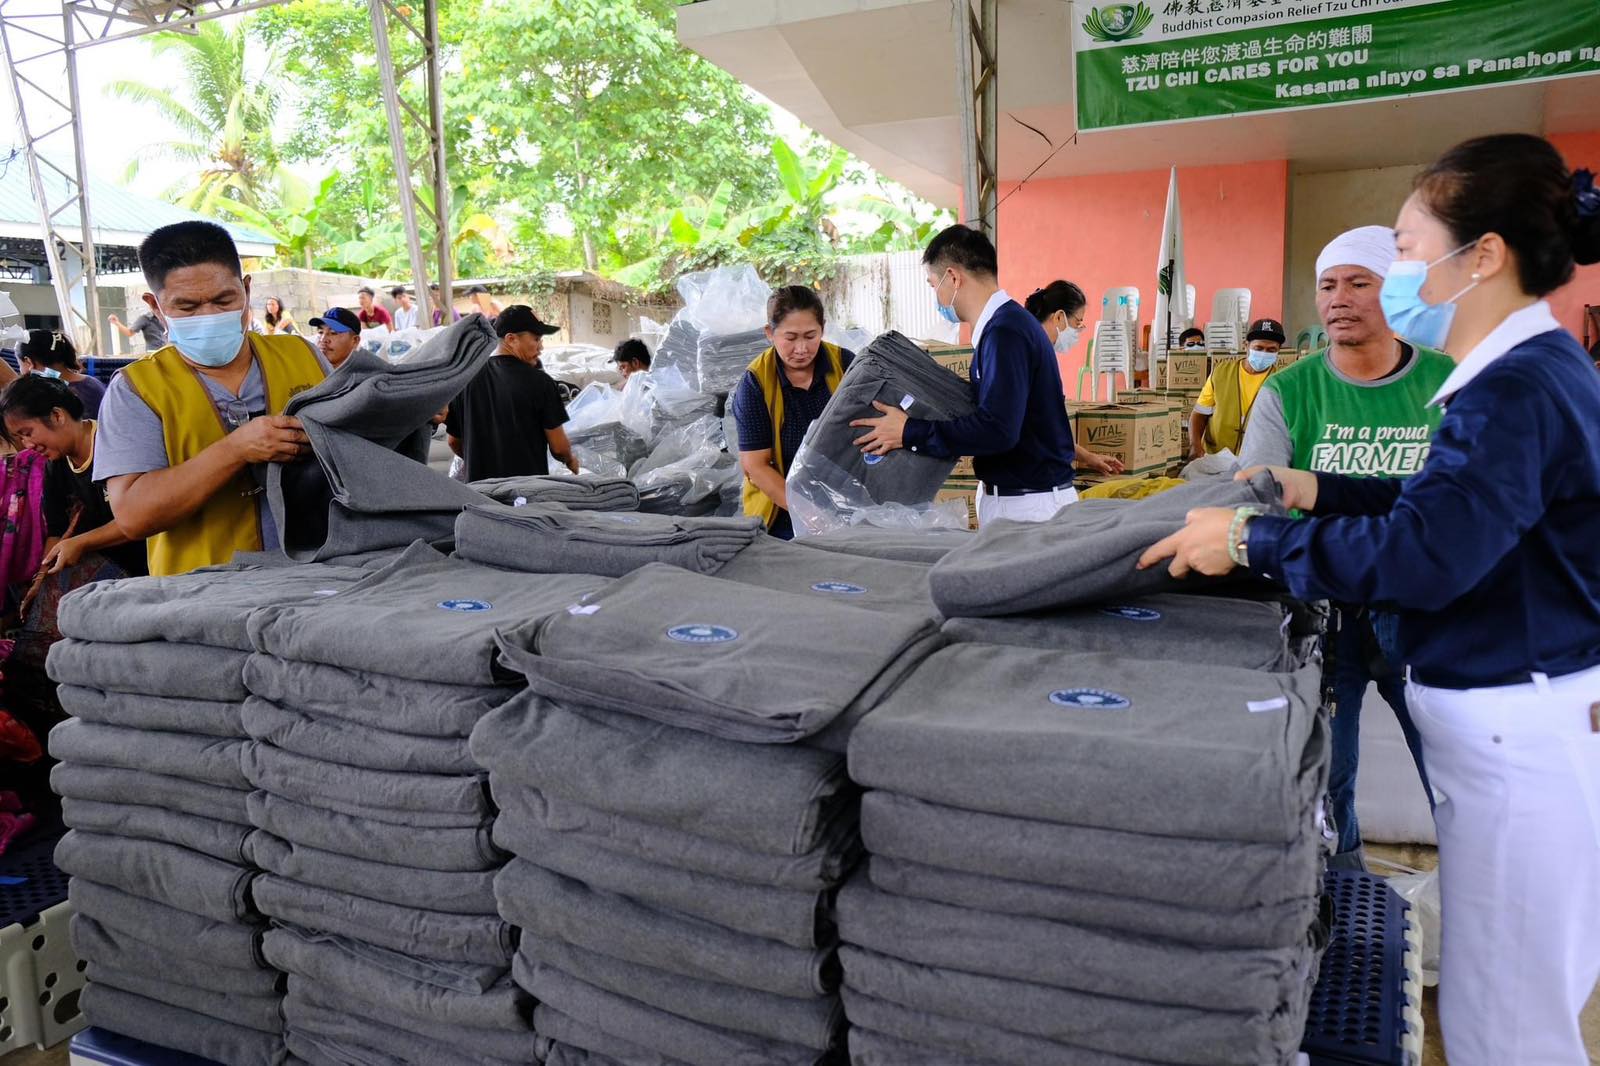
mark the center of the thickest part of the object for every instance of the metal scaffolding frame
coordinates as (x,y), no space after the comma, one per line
(978,103)
(40,41)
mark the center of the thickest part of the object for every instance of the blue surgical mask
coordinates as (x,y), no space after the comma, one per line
(946,313)
(1259,360)
(210,340)
(1418,321)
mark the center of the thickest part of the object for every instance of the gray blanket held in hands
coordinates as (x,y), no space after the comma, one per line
(359,493)
(585,493)
(1086,554)
(1216,753)
(550,539)
(732,660)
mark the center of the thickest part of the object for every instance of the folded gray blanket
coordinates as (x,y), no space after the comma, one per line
(1216,753)
(1247,634)
(1086,554)
(210,718)
(586,493)
(868,1048)
(326,963)
(680,1038)
(261,1013)
(429,800)
(209,836)
(438,616)
(197,937)
(463,848)
(377,701)
(105,784)
(900,545)
(1107,1024)
(483,944)
(876,584)
(200,607)
(824,866)
(797,918)
(165,873)
(110,947)
(731,660)
(550,539)
(1265,926)
(1076,958)
(344,1035)
(814,1023)
(1166,869)
(515,1045)
(342,741)
(181,1030)
(153,668)
(550,906)
(209,760)
(779,800)
(574,1043)
(448,891)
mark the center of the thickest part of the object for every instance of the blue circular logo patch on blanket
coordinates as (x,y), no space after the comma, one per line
(872,460)
(699,634)
(1133,614)
(622,519)
(1090,699)
(841,588)
(465,606)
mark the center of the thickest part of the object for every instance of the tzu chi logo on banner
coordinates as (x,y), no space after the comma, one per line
(1118,22)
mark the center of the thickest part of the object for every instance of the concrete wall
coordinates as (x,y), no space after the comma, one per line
(1104,230)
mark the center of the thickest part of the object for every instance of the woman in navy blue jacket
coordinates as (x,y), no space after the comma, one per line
(1491,557)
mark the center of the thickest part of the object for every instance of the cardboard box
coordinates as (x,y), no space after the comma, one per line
(963,468)
(964,489)
(1289,357)
(957,360)
(1137,434)
(1187,370)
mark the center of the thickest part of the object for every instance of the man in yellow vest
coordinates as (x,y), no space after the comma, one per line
(185,433)
(1223,409)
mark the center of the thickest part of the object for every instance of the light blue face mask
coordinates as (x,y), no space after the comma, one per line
(946,313)
(1412,317)
(210,340)
(1260,361)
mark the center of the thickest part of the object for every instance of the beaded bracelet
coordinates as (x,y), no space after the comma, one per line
(1236,533)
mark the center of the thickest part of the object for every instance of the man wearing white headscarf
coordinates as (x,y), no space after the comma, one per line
(1359,407)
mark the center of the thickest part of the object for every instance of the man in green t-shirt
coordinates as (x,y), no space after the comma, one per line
(1361,408)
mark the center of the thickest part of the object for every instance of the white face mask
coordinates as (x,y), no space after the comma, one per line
(1260,359)
(1066,339)
(1195,346)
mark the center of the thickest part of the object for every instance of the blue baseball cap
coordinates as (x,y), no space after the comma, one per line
(339,320)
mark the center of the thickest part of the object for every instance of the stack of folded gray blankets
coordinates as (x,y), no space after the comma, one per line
(375,824)
(153,786)
(722,358)
(575,493)
(1076,858)
(680,349)
(679,825)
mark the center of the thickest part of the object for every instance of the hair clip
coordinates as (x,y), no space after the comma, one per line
(1585,194)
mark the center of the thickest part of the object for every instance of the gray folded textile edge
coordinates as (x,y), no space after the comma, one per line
(152,668)
(349,1038)
(464,848)
(875,542)
(377,701)
(212,718)
(550,539)
(106,784)
(223,943)
(869,1048)
(873,584)
(165,873)
(586,493)
(433,800)
(595,1047)
(209,836)
(450,892)
(94,941)
(262,1013)
(191,756)
(182,1030)
(503,1044)
(339,740)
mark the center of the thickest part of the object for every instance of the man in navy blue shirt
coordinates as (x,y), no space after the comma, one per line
(1019,437)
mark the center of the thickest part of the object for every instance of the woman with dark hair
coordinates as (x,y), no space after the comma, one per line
(1059,307)
(51,354)
(781,394)
(44,415)
(1490,556)
(275,319)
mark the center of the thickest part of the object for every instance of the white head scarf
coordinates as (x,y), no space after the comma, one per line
(1371,247)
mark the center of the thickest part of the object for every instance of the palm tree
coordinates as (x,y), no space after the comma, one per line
(225,125)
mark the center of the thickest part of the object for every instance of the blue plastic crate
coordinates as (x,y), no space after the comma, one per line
(101,1047)
(30,883)
(1366,1008)
(104,369)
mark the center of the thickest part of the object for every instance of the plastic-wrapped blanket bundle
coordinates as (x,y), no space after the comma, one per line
(1145,887)
(833,485)
(722,358)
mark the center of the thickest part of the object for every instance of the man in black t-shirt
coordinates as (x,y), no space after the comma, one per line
(506,418)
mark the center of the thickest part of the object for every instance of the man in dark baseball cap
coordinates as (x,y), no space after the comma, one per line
(507,421)
(1266,329)
(1223,410)
(338,334)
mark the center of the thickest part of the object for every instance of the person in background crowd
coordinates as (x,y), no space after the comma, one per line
(632,357)
(1192,340)
(44,414)
(372,313)
(52,355)
(338,334)
(507,421)
(185,433)
(1358,408)
(781,393)
(1223,410)
(148,326)
(439,309)
(1059,308)
(480,300)
(405,309)
(1489,555)
(274,319)
(1020,437)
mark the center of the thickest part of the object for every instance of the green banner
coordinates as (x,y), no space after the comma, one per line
(1171,60)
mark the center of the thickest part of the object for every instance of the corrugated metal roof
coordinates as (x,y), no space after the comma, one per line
(116,210)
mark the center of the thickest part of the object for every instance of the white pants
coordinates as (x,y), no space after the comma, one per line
(1034,507)
(1517,775)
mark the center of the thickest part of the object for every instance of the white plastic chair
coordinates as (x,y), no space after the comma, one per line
(1231,305)
(1120,304)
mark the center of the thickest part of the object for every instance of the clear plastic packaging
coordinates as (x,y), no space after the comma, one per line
(825,498)
(730,299)
(1421,890)
(661,399)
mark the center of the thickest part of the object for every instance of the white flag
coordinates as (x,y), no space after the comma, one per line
(1172,283)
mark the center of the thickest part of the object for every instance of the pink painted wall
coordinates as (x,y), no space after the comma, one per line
(1582,150)
(1104,230)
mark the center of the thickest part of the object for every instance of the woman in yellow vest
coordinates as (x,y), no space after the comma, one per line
(185,433)
(781,394)
(1223,409)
